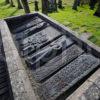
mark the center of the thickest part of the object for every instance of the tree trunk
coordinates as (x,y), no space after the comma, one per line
(19,4)
(97,13)
(25,6)
(11,3)
(60,4)
(7,1)
(45,5)
(92,4)
(36,5)
(76,3)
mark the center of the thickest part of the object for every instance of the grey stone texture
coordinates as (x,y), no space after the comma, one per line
(68,76)
(92,93)
(49,52)
(30,31)
(27,24)
(58,62)
(38,39)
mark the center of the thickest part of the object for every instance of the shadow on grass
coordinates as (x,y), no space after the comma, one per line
(8,7)
(2,4)
(12,14)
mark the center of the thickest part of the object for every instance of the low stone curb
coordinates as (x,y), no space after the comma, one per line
(20,83)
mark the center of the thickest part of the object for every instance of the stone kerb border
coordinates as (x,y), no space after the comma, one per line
(20,83)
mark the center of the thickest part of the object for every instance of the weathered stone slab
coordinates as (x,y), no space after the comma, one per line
(57,62)
(97,82)
(47,53)
(30,31)
(68,76)
(28,24)
(37,40)
(92,93)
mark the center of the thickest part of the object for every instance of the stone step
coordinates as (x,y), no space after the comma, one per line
(37,40)
(27,24)
(58,62)
(30,31)
(47,53)
(68,76)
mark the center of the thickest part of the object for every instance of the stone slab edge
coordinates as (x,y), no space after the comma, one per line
(86,85)
(21,86)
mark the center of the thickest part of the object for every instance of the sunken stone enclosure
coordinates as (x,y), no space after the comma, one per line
(45,60)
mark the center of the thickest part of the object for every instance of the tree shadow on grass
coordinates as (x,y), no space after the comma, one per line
(2,4)
(8,7)
(12,14)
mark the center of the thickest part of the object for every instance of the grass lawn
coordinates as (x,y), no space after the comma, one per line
(80,21)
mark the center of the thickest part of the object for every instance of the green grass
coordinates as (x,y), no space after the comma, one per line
(80,21)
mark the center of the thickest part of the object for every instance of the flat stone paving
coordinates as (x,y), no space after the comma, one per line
(58,62)
(68,76)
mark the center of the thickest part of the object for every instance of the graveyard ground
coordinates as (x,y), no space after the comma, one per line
(81,21)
